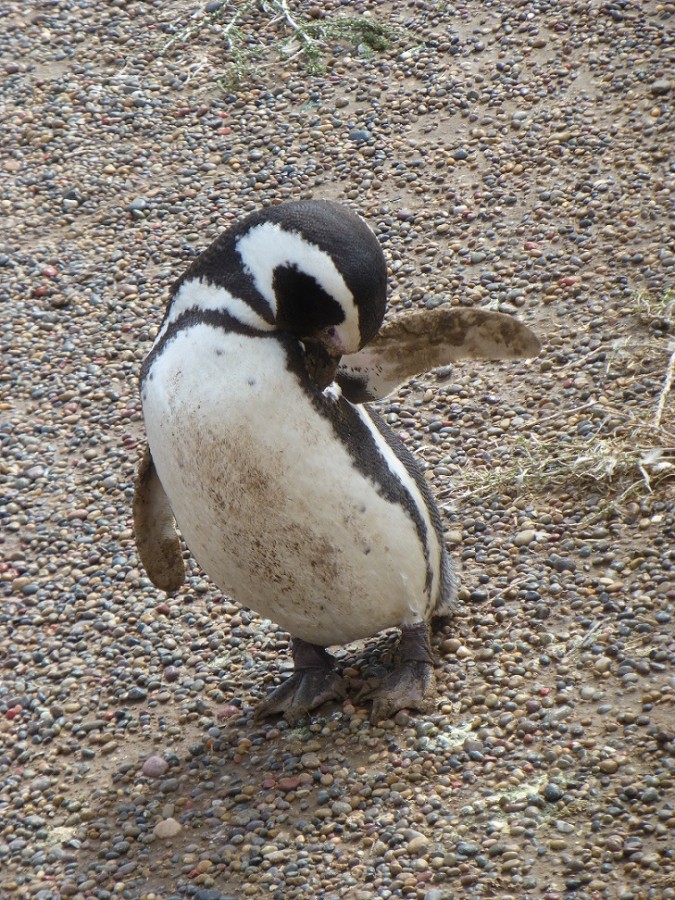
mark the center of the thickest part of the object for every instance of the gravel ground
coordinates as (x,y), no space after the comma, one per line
(511,154)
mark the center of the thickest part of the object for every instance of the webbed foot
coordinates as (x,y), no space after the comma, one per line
(411,684)
(314,681)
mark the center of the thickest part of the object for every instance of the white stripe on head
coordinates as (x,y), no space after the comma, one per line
(199,294)
(267,246)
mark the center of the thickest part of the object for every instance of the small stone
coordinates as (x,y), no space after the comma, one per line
(341,808)
(524,538)
(602,664)
(468,848)
(167,828)
(418,844)
(155,767)
(553,792)
(310,760)
(661,87)
(290,783)
(450,645)
(137,693)
(359,135)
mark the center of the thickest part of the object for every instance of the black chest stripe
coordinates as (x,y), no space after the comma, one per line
(447,585)
(353,432)
(197,316)
(411,466)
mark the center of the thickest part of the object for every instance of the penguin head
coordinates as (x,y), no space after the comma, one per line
(321,270)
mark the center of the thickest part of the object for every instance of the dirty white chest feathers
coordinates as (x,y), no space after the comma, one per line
(273,504)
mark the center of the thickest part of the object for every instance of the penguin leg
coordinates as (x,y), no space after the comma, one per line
(411,684)
(314,681)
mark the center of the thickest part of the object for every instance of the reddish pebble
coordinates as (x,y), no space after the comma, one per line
(289,784)
(228,711)
(13,711)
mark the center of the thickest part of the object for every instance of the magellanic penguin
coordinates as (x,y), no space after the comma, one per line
(296,499)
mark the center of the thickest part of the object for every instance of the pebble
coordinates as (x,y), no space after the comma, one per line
(553,792)
(155,767)
(516,161)
(167,829)
(418,844)
(524,538)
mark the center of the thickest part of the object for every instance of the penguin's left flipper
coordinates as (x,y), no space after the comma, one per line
(156,536)
(422,340)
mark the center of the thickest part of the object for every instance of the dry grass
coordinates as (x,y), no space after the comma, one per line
(249,29)
(628,452)
(656,310)
(640,452)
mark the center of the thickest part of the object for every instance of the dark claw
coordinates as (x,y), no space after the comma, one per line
(303,691)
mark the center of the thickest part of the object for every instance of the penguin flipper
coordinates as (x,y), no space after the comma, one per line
(425,339)
(156,536)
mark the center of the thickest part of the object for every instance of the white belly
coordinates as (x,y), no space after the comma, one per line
(268,499)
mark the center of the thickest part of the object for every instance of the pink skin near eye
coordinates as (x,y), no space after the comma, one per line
(332,342)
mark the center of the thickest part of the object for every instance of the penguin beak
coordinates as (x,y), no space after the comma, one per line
(322,356)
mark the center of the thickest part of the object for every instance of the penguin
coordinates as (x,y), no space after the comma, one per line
(289,490)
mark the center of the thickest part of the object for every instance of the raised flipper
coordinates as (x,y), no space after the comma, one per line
(156,537)
(425,339)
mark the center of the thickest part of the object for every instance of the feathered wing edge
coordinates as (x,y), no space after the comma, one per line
(426,339)
(156,536)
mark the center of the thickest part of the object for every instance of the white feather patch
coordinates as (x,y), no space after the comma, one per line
(268,246)
(333,392)
(199,294)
